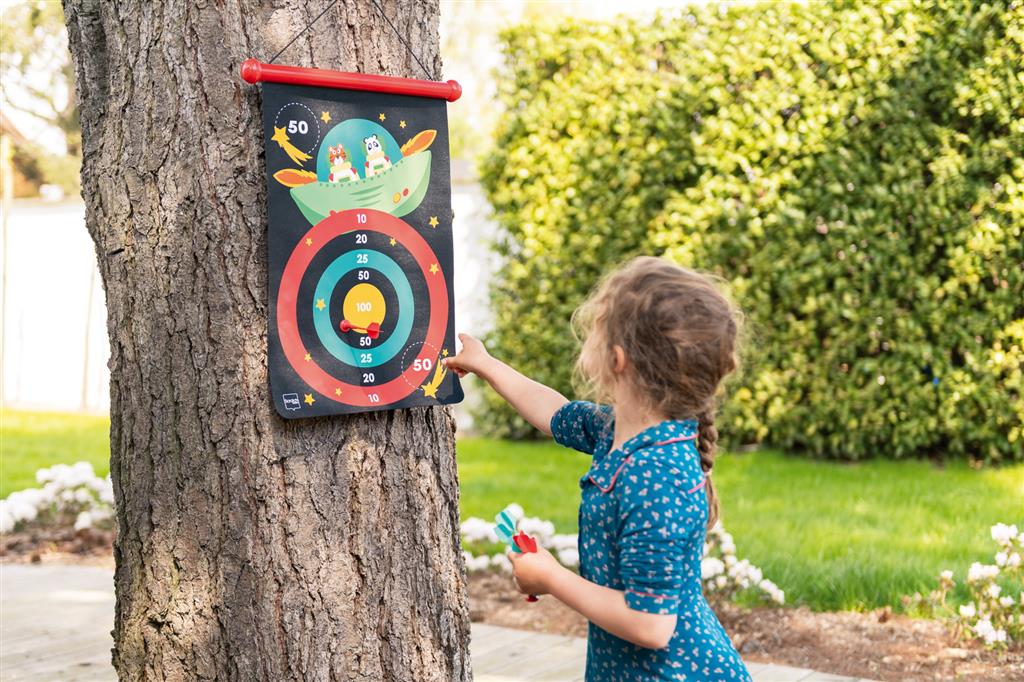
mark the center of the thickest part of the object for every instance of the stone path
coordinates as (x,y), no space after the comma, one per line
(55,624)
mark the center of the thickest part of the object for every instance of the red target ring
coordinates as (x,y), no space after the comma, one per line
(335,225)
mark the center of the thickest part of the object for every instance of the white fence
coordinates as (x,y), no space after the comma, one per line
(55,345)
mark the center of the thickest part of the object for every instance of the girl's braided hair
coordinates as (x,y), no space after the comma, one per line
(679,334)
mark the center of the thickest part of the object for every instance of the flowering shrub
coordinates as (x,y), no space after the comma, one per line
(70,494)
(724,576)
(994,616)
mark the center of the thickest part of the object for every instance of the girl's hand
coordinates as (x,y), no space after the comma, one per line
(472,358)
(534,572)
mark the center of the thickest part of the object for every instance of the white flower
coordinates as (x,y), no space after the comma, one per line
(1014,560)
(721,581)
(561,542)
(968,611)
(478,564)
(569,557)
(101,513)
(1001,558)
(515,511)
(994,590)
(474,529)
(983,628)
(501,562)
(773,592)
(981,572)
(710,567)
(7,520)
(538,528)
(107,491)
(1003,534)
(1006,602)
(84,520)
(947,575)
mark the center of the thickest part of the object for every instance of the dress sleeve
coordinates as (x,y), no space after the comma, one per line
(579,425)
(660,521)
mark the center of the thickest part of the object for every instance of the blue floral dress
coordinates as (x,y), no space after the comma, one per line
(642,525)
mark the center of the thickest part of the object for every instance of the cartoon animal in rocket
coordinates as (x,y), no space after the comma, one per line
(376,160)
(341,168)
(337,186)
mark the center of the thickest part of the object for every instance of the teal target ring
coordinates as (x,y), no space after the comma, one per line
(363,259)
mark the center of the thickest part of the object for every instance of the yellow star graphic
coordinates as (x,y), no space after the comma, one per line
(434,268)
(382,117)
(337,391)
(393,242)
(308,357)
(309,399)
(433,221)
(444,352)
(320,305)
(309,242)
(401,124)
(325,117)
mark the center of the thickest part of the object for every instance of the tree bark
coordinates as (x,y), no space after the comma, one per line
(248,547)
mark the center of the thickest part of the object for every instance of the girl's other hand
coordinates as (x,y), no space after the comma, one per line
(534,572)
(472,358)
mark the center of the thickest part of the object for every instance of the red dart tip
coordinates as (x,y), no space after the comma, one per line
(345,326)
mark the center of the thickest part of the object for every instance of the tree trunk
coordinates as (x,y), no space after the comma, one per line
(248,547)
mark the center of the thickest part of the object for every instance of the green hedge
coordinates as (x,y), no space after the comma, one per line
(853,169)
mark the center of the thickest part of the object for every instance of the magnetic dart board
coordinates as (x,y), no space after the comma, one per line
(359,243)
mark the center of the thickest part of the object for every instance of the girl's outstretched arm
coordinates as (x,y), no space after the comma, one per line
(540,573)
(533,400)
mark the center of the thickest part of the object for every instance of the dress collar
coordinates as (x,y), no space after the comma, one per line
(605,470)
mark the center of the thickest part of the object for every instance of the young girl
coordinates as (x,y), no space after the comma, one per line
(658,340)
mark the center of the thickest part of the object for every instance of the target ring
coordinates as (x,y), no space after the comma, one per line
(296,352)
(368,259)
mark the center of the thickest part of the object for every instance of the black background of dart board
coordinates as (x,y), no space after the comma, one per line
(286,226)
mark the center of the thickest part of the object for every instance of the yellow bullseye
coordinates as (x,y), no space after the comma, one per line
(364,305)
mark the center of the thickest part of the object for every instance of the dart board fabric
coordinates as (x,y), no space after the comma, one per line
(359,251)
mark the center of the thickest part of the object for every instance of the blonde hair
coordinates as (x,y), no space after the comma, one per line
(679,333)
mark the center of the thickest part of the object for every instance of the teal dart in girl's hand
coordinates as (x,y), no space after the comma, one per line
(505,529)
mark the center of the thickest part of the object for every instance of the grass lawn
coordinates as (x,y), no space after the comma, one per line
(833,536)
(33,440)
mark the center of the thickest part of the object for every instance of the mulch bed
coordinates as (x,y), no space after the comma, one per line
(879,644)
(59,546)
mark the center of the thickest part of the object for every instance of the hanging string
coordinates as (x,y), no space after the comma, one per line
(331,4)
(408,47)
(380,9)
